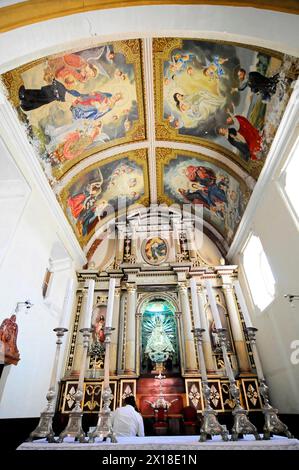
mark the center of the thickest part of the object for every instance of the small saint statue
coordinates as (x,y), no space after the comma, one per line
(8,340)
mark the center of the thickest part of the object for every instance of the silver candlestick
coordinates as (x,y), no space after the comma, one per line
(272,422)
(44,427)
(74,426)
(210,425)
(242,425)
(104,424)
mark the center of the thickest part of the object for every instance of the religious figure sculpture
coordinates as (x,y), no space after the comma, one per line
(159,347)
(8,340)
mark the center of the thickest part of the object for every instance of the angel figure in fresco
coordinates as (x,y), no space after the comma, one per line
(179,62)
(214,69)
(199,106)
(69,69)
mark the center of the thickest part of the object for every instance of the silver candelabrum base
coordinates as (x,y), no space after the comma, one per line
(44,428)
(104,429)
(74,427)
(242,424)
(273,425)
(210,426)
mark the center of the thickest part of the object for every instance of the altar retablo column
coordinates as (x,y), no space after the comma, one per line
(190,354)
(236,328)
(130,359)
(206,340)
(79,341)
(114,334)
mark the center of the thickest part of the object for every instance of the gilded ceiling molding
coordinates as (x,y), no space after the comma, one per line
(35,11)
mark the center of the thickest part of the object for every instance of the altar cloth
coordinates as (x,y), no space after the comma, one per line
(167,443)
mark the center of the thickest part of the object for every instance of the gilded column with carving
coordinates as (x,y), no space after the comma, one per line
(190,355)
(206,339)
(79,340)
(130,361)
(114,334)
(236,328)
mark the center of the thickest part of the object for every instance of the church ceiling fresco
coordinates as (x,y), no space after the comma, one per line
(186,177)
(222,96)
(88,113)
(104,189)
(77,103)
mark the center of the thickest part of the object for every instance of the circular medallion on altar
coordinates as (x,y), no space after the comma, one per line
(155,250)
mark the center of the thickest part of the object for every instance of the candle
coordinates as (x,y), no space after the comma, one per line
(108,322)
(194,300)
(213,305)
(242,303)
(67,303)
(89,304)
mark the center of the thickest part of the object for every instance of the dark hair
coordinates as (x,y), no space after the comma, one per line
(242,70)
(176,100)
(130,400)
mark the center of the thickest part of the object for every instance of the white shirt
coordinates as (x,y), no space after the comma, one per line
(127,422)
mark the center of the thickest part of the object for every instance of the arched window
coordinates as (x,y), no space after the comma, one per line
(289,181)
(258,272)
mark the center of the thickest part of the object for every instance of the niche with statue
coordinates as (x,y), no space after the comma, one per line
(159,338)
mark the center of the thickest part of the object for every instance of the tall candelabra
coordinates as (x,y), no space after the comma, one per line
(210,425)
(104,424)
(242,425)
(74,426)
(44,427)
(272,422)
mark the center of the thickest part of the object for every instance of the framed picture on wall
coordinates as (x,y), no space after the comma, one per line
(194,393)
(127,388)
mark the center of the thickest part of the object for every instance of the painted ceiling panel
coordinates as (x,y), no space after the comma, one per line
(104,190)
(89,117)
(186,177)
(80,102)
(221,95)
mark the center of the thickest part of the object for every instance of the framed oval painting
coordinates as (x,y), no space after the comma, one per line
(155,250)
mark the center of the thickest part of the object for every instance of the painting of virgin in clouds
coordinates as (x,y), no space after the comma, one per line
(223,96)
(77,103)
(189,179)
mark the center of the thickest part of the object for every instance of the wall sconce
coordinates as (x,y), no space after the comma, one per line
(27,304)
(291,297)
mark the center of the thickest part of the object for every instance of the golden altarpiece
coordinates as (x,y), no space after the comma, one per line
(153,264)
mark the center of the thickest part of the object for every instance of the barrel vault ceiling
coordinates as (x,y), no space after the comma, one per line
(157,120)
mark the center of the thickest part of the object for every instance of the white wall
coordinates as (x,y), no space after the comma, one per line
(278,324)
(31,232)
